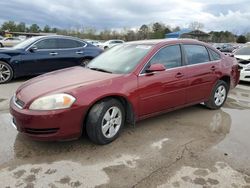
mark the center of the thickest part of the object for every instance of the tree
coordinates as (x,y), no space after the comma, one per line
(241,39)
(158,30)
(177,28)
(9,26)
(196,26)
(46,29)
(21,27)
(34,28)
(143,32)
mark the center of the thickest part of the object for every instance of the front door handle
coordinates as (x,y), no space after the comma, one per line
(53,53)
(79,52)
(179,75)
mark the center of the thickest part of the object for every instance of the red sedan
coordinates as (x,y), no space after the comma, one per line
(129,82)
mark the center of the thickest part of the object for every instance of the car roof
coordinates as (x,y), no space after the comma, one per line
(58,36)
(163,41)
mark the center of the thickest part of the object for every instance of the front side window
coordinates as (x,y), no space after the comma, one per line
(47,44)
(169,56)
(196,54)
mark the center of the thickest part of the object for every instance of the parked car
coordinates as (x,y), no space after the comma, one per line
(224,47)
(243,57)
(94,42)
(43,54)
(109,44)
(9,41)
(127,83)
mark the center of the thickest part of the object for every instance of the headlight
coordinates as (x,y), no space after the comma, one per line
(53,102)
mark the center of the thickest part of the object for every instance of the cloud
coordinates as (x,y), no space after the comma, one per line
(108,14)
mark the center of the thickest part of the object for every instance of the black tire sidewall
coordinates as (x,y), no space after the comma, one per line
(11,72)
(95,117)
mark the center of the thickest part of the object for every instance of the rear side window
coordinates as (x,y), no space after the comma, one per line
(196,54)
(68,43)
(214,55)
(169,56)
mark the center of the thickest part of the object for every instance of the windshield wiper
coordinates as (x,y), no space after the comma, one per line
(99,69)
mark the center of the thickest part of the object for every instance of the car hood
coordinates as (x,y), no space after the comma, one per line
(64,80)
(10,51)
(243,57)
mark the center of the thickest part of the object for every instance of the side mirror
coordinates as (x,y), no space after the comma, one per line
(33,48)
(156,68)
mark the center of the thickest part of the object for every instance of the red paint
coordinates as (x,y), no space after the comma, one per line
(149,94)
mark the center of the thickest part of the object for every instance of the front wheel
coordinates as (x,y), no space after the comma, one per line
(1,45)
(218,96)
(104,121)
(6,72)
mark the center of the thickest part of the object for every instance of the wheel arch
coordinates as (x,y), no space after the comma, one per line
(227,79)
(128,107)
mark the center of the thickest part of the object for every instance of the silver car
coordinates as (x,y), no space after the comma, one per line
(9,41)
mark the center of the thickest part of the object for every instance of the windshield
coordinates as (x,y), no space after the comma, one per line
(243,51)
(25,43)
(120,59)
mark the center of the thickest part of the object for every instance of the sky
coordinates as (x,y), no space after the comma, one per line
(231,15)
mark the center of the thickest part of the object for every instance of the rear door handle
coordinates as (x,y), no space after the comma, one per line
(213,68)
(79,52)
(179,75)
(53,53)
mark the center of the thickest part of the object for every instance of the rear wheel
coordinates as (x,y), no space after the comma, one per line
(85,62)
(6,72)
(104,121)
(218,96)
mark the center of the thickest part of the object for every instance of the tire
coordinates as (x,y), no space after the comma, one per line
(6,72)
(85,62)
(218,96)
(105,47)
(102,125)
(1,45)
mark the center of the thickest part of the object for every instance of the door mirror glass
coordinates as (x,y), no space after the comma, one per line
(33,48)
(156,68)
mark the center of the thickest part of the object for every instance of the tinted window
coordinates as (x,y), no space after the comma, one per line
(169,56)
(196,54)
(214,55)
(68,43)
(47,44)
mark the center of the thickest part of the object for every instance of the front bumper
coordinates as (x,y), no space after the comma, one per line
(245,75)
(48,125)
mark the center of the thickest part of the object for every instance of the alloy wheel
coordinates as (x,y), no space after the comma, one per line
(220,95)
(5,73)
(111,122)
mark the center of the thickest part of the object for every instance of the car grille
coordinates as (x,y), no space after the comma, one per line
(244,62)
(41,131)
(240,67)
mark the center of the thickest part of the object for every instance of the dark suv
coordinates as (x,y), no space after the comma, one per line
(43,54)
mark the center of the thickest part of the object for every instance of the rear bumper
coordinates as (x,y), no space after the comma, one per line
(48,125)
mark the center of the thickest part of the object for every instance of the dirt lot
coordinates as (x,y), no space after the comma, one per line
(192,147)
